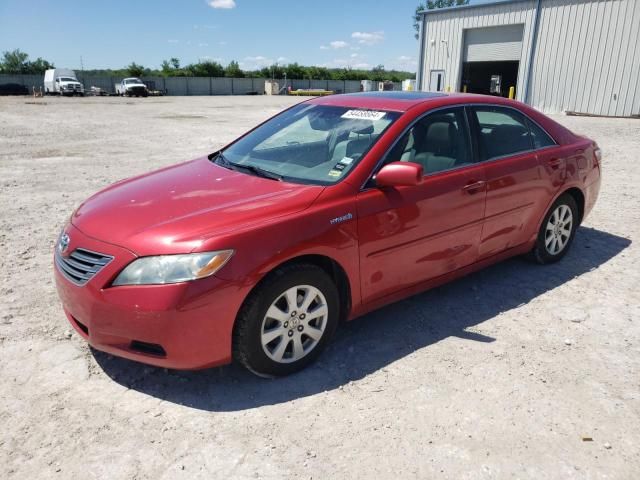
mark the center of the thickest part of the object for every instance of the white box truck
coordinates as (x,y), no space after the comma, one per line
(130,87)
(62,81)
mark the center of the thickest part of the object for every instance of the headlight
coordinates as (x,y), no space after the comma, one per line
(172,268)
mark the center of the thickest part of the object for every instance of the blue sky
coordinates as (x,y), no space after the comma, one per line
(256,33)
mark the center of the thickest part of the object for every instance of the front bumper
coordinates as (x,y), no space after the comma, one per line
(182,326)
(70,90)
(136,91)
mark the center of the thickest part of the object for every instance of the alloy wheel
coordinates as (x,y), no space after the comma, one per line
(294,324)
(558,230)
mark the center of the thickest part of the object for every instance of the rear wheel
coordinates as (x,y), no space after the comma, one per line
(557,231)
(287,321)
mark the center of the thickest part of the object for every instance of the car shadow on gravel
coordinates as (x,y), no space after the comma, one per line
(373,341)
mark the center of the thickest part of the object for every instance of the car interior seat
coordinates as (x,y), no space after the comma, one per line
(437,149)
(506,139)
(354,147)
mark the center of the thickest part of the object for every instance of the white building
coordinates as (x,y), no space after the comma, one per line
(559,55)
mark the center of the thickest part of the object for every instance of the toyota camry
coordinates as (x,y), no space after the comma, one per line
(332,208)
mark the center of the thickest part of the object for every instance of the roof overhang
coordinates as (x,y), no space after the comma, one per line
(466,7)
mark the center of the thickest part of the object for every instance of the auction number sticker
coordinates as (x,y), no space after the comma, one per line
(363,115)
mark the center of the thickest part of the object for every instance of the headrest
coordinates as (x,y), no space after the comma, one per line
(364,129)
(439,137)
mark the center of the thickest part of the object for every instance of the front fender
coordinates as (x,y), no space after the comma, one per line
(327,228)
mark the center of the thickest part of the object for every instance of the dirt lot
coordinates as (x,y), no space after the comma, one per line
(500,375)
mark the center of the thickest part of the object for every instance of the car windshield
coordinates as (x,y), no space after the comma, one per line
(67,79)
(316,144)
(132,80)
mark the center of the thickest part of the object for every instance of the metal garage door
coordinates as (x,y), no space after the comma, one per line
(493,44)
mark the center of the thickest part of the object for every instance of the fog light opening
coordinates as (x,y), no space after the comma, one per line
(148,348)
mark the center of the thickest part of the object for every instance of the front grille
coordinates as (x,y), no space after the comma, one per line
(81,265)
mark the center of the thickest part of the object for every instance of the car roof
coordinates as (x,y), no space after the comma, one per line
(394,100)
(402,101)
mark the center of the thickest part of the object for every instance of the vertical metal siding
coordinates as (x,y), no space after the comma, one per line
(450,25)
(587,57)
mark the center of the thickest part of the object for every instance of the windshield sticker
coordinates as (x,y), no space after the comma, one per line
(339,166)
(346,160)
(334,173)
(364,115)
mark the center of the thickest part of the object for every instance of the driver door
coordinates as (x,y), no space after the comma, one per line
(412,234)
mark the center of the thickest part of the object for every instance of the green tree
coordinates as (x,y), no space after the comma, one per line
(430,5)
(14,61)
(171,68)
(378,74)
(274,71)
(207,68)
(295,71)
(17,62)
(39,65)
(233,70)
(135,70)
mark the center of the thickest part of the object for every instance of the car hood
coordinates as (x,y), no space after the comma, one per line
(175,209)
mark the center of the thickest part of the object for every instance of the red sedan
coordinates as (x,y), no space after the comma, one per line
(328,210)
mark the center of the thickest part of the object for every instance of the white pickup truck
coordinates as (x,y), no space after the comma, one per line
(62,81)
(130,87)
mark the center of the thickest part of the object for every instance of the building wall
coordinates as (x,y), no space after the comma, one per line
(586,58)
(449,25)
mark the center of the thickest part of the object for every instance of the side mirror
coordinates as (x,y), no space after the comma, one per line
(400,174)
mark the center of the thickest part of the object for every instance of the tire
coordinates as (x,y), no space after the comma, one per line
(272,339)
(556,234)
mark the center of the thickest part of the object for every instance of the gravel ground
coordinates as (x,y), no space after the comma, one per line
(518,371)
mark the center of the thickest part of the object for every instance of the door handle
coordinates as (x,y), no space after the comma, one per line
(554,163)
(473,187)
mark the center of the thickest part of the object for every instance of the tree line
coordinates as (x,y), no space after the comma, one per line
(17,62)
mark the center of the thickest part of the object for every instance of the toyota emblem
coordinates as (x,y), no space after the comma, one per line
(63,244)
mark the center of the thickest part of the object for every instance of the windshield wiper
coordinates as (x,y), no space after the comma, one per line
(260,172)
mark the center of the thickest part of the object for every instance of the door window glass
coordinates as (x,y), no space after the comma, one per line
(439,141)
(540,138)
(503,132)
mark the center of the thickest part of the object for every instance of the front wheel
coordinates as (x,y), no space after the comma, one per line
(286,321)
(557,231)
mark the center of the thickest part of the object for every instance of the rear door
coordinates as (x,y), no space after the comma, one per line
(411,234)
(516,187)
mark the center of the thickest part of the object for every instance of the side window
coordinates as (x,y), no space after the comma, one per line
(502,132)
(439,141)
(540,138)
